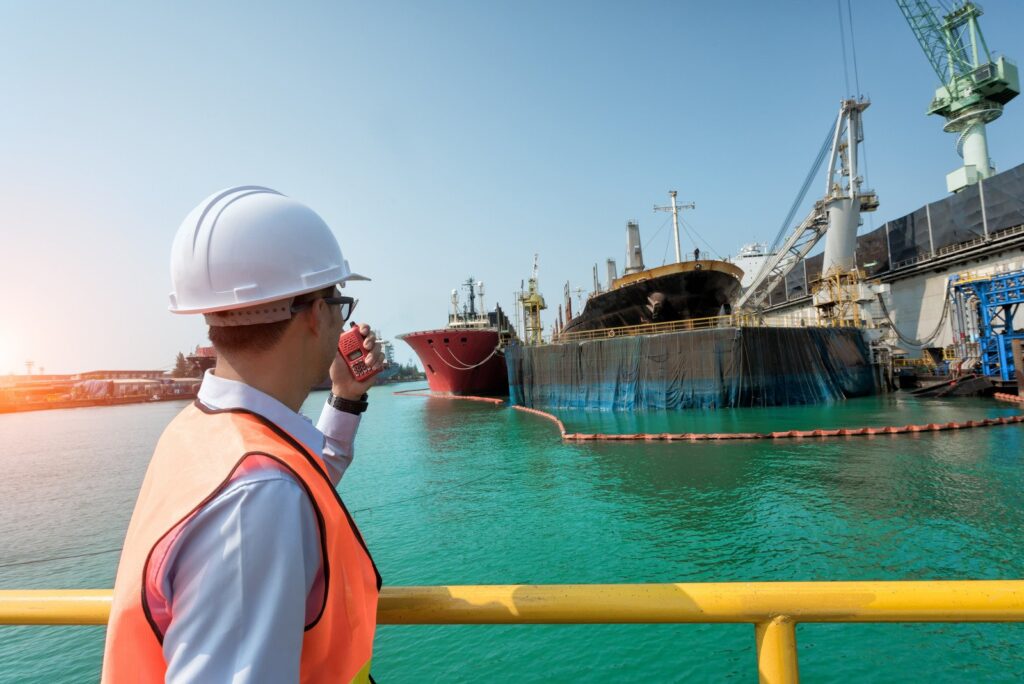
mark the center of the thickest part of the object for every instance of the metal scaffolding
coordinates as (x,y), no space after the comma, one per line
(984,307)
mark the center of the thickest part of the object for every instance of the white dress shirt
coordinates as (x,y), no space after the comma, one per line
(238,578)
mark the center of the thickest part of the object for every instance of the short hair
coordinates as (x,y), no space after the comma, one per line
(261,336)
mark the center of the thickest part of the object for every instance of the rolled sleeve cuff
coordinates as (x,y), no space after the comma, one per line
(339,430)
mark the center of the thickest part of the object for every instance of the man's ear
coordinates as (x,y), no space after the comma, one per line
(313,314)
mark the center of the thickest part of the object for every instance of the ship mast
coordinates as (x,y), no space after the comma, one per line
(470,285)
(675,219)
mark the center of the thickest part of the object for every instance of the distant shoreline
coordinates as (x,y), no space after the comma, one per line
(84,403)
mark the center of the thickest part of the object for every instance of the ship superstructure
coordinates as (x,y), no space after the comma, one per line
(750,259)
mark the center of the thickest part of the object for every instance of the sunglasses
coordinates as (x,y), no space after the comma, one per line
(347,304)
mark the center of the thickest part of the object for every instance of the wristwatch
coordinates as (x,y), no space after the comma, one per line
(347,405)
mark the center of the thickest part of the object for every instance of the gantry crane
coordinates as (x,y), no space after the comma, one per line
(974,86)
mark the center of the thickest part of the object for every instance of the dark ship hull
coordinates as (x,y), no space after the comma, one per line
(686,290)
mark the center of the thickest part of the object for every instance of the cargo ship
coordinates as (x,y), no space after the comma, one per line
(467,355)
(685,290)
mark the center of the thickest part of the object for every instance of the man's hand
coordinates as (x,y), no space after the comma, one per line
(342,383)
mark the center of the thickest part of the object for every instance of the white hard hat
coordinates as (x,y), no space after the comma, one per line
(250,245)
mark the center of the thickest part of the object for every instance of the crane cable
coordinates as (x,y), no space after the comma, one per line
(856,80)
(826,145)
(922,342)
(842,45)
(853,46)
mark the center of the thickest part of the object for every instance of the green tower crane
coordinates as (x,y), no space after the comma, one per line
(974,86)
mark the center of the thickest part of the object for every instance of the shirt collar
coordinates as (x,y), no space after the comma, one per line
(221,393)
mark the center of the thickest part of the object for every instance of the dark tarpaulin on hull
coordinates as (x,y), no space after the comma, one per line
(873,252)
(957,218)
(723,367)
(908,236)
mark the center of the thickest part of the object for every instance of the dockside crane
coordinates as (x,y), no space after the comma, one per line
(835,217)
(974,85)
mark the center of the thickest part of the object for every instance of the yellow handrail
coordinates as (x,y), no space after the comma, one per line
(774,608)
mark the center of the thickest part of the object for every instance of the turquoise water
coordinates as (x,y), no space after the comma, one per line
(450,492)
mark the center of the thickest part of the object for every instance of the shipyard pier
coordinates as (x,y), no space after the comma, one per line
(821,314)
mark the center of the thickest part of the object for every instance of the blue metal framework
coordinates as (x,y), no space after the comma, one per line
(984,308)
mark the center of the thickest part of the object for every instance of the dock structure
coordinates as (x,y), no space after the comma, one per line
(907,262)
(984,307)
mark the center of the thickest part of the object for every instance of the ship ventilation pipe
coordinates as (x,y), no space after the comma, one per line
(597,281)
(480,296)
(634,252)
(613,274)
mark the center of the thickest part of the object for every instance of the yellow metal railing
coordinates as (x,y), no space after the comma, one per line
(730,321)
(922,362)
(774,608)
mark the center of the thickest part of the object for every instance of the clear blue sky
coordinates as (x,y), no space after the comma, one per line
(440,140)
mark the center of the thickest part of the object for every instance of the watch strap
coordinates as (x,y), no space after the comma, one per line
(348,405)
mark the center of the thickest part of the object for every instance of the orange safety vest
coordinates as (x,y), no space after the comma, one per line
(198,454)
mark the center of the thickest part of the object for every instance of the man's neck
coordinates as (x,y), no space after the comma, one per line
(267,375)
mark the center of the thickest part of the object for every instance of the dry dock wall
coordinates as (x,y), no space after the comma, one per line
(718,368)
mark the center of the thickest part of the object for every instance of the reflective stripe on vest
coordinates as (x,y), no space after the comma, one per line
(197,455)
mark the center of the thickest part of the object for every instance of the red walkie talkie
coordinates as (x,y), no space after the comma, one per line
(350,346)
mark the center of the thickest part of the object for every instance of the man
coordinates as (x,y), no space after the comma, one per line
(241,563)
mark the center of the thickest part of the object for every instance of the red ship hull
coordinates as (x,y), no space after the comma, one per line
(461,361)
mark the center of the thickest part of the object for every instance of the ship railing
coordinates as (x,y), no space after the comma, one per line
(774,609)
(922,362)
(737,320)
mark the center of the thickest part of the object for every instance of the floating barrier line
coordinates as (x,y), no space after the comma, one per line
(545,414)
(819,433)
(781,434)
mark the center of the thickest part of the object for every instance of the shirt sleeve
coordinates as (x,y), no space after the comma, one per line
(339,430)
(238,585)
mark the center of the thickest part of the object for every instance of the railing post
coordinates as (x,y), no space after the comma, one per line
(776,651)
